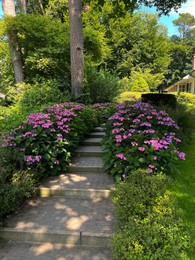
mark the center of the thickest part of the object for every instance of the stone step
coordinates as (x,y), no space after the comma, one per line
(92,141)
(48,251)
(73,193)
(97,134)
(90,151)
(98,129)
(62,220)
(91,186)
(86,164)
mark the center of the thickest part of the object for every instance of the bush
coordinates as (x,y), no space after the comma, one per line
(184,118)
(13,193)
(27,99)
(102,85)
(140,85)
(160,99)
(125,84)
(183,97)
(44,142)
(38,94)
(140,137)
(148,224)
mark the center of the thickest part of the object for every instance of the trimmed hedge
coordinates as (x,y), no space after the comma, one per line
(160,99)
(148,224)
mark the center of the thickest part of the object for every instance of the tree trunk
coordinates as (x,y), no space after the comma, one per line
(41,7)
(23,6)
(76,47)
(16,55)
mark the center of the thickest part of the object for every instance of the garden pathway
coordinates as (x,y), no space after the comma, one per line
(72,216)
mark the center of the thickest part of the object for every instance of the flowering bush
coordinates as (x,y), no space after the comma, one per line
(44,142)
(139,136)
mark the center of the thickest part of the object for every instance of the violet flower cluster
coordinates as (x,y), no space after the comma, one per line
(141,137)
(45,140)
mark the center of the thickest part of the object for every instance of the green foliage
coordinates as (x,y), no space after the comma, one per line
(45,47)
(140,85)
(161,6)
(185,24)
(128,96)
(6,75)
(14,192)
(95,43)
(185,120)
(101,85)
(138,41)
(153,80)
(125,84)
(188,100)
(160,99)
(181,63)
(37,94)
(148,224)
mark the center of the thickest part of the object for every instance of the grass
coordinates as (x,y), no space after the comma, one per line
(184,190)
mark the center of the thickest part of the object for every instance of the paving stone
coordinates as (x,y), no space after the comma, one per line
(92,141)
(97,134)
(87,161)
(79,181)
(49,251)
(90,151)
(61,220)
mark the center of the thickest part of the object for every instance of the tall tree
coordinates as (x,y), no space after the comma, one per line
(16,55)
(185,24)
(76,47)
(23,6)
(76,41)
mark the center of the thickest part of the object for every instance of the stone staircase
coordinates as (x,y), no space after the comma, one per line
(70,218)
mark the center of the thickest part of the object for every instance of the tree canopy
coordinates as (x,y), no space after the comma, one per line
(117,43)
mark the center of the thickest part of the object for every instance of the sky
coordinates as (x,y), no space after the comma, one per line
(188,7)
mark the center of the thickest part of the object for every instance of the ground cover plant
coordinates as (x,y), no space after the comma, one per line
(139,136)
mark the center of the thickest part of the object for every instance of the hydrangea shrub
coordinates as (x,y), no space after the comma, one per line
(139,136)
(45,141)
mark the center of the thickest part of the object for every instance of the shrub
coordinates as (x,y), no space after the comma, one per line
(44,142)
(102,85)
(148,224)
(184,118)
(27,99)
(140,137)
(125,84)
(13,193)
(160,99)
(37,94)
(140,85)
(186,97)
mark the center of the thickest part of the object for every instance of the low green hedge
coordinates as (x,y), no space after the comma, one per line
(14,192)
(148,223)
